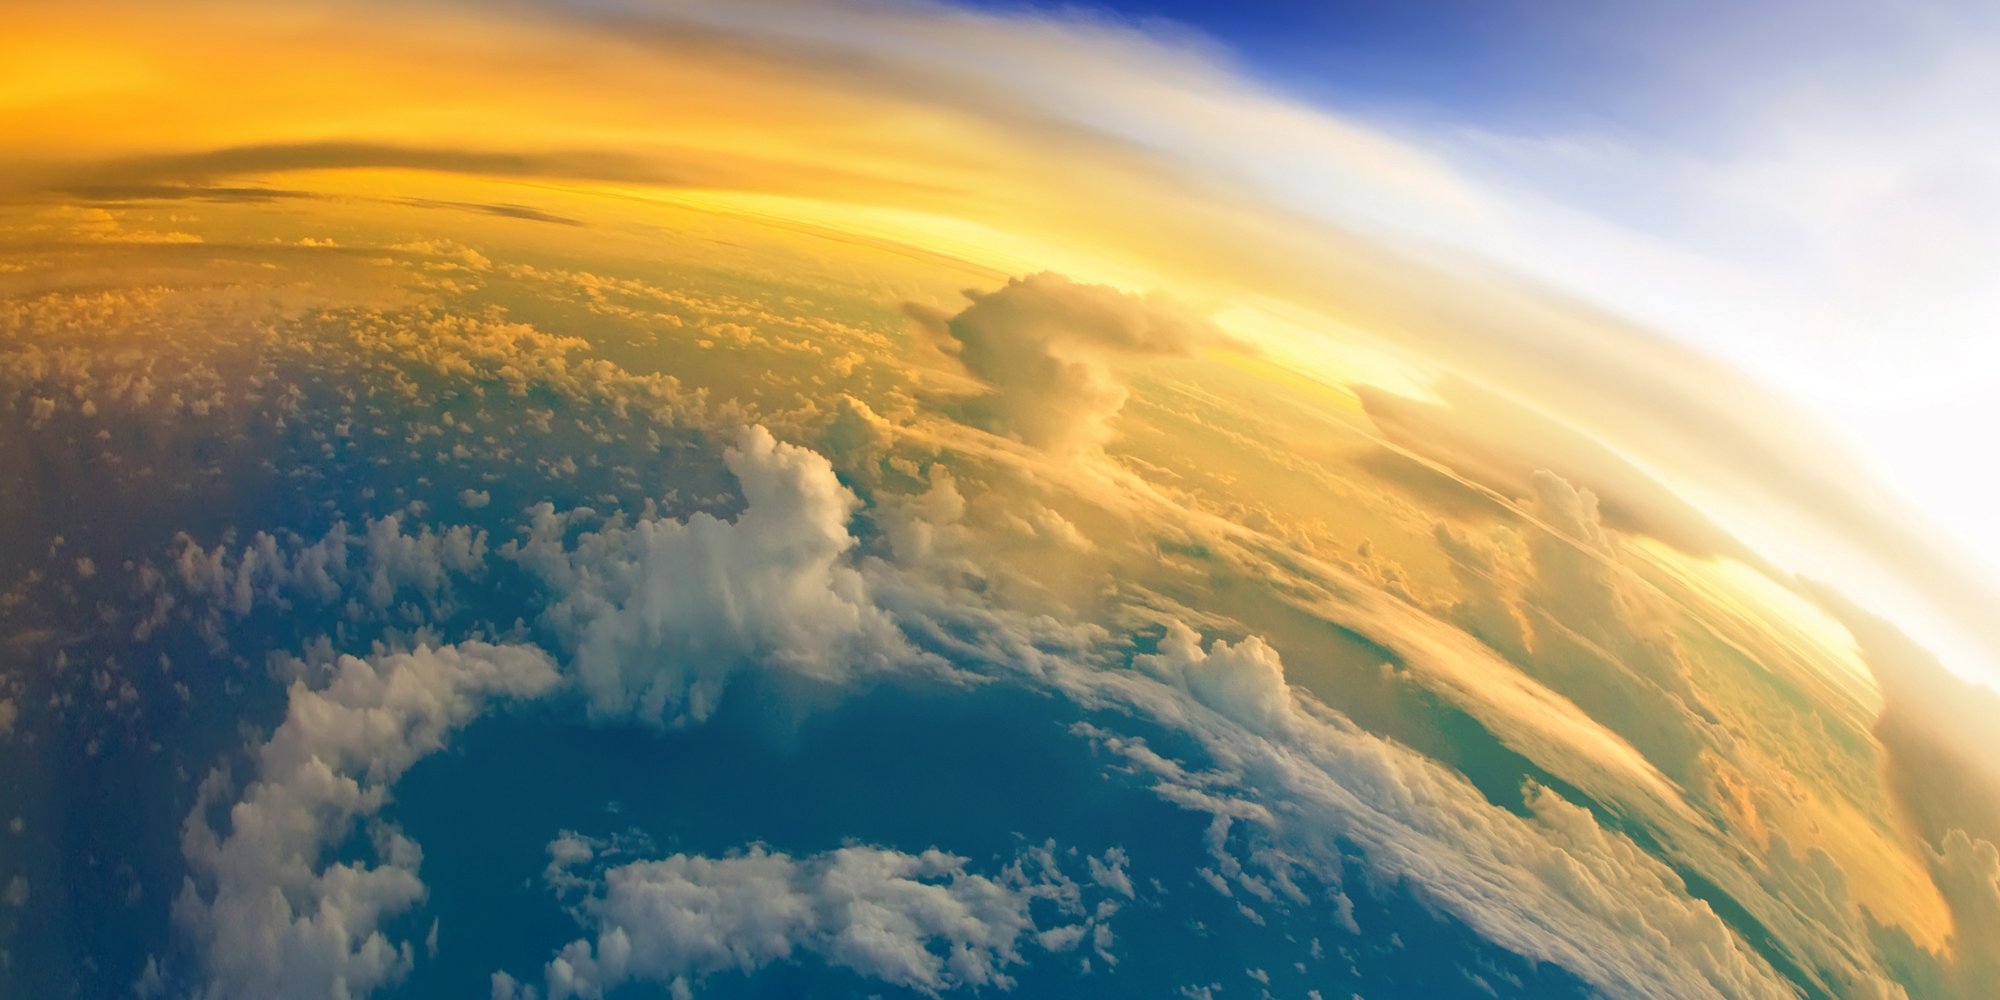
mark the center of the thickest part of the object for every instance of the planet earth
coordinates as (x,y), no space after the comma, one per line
(461,571)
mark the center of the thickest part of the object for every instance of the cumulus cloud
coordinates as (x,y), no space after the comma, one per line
(658,614)
(1481,608)
(1580,590)
(1046,525)
(855,433)
(1968,872)
(268,913)
(1245,682)
(1047,348)
(921,921)
(100,225)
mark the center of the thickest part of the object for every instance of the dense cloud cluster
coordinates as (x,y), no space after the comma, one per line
(659,613)
(921,921)
(1245,682)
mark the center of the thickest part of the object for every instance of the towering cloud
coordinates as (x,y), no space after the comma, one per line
(1048,348)
(658,614)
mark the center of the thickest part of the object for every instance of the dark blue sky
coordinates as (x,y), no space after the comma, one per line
(1677,70)
(1479,59)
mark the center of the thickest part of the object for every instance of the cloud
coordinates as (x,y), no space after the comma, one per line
(1500,444)
(239,194)
(268,913)
(372,569)
(505,211)
(1245,682)
(1047,348)
(1942,767)
(1552,885)
(1037,523)
(206,174)
(1577,620)
(1936,729)
(1968,873)
(920,921)
(1096,146)
(1482,608)
(99,225)
(1294,789)
(658,614)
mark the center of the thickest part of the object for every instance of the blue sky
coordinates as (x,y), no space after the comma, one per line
(1427,54)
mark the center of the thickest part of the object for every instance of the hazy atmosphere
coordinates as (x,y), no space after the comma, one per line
(907,499)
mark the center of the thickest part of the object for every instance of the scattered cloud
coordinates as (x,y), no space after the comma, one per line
(1245,682)
(920,921)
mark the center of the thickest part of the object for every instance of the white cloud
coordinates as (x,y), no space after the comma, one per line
(1554,886)
(921,921)
(1110,873)
(1244,682)
(659,614)
(268,914)
(375,567)
(1292,781)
